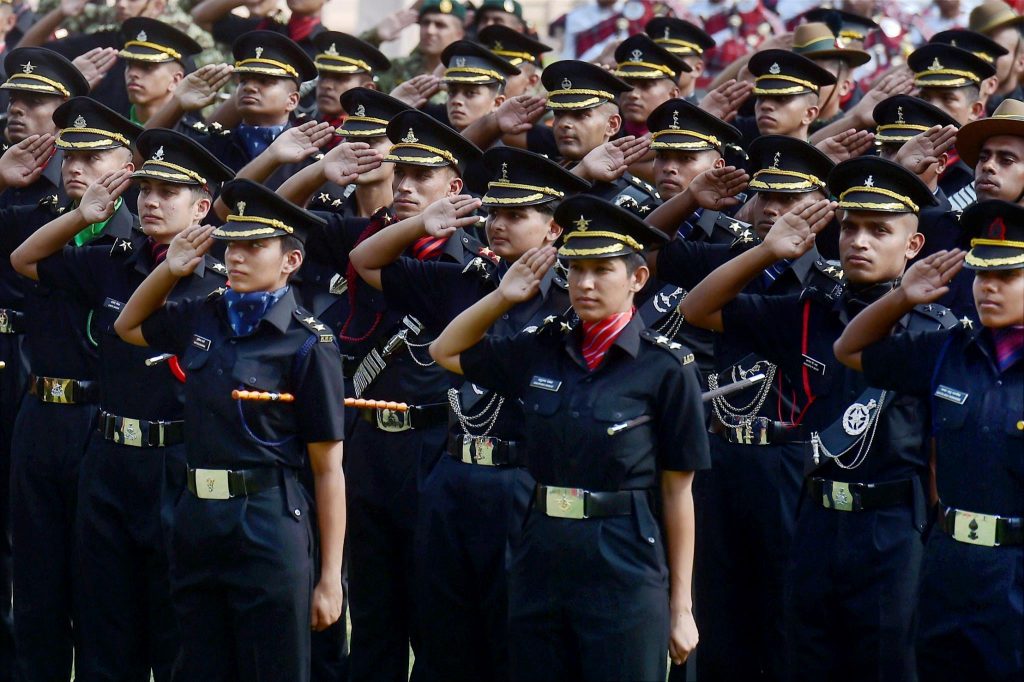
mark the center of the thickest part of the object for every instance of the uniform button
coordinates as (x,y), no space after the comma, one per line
(298,513)
(220,372)
(505,316)
(650,540)
(984,429)
(575,414)
(252,380)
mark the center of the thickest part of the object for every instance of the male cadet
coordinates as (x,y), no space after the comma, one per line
(852,583)
(749,499)
(389,452)
(787,87)
(157,57)
(133,468)
(270,68)
(817,42)
(218,17)
(998,21)
(475,77)
(951,79)
(686,41)
(441,24)
(343,62)
(55,422)
(111,89)
(980,46)
(474,501)
(521,51)
(507,13)
(39,80)
(651,72)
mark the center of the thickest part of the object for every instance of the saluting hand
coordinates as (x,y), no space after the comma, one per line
(848,144)
(609,161)
(927,280)
(98,202)
(95,63)
(522,281)
(299,143)
(516,115)
(418,90)
(716,188)
(793,233)
(188,248)
(326,606)
(348,160)
(199,89)
(922,151)
(444,216)
(683,636)
(22,164)
(725,100)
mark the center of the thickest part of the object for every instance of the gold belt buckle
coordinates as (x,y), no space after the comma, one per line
(565,503)
(478,450)
(56,391)
(212,484)
(975,529)
(392,421)
(841,499)
(129,432)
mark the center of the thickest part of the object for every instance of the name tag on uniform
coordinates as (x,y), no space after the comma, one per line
(951,394)
(545,383)
(200,342)
(113,304)
(816,366)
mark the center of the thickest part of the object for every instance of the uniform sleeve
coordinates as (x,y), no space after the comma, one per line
(80,271)
(685,263)
(171,328)
(767,325)
(540,139)
(331,244)
(17,223)
(320,395)
(905,362)
(500,363)
(226,29)
(682,434)
(427,288)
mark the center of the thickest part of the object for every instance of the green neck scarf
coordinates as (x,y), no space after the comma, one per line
(92,231)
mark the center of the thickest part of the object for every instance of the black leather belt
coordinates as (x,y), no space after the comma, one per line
(223,484)
(12,321)
(988,530)
(484,450)
(63,391)
(859,496)
(140,433)
(416,417)
(759,431)
(576,503)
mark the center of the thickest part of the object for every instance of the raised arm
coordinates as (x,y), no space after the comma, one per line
(96,206)
(509,122)
(440,219)
(342,165)
(703,306)
(925,282)
(40,32)
(208,12)
(23,163)
(520,283)
(196,90)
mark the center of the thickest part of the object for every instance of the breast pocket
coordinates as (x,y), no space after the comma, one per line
(268,420)
(624,423)
(949,415)
(542,402)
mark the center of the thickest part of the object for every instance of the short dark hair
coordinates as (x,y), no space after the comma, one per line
(633,262)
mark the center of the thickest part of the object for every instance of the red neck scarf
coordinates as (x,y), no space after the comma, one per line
(336,123)
(1009,343)
(299,27)
(428,248)
(157,251)
(599,336)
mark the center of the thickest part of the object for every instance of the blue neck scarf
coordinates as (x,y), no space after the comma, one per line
(257,138)
(246,310)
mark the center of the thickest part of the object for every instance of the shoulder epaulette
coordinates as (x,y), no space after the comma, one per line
(826,280)
(200,127)
(935,316)
(313,325)
(121,247)
(645,186)
(552,325)
(216,293)
(49,201)
(741,233)
(684,354)
(480,266)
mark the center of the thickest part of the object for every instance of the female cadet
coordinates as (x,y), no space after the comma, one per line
(242,558)
(971,607)
(612,410)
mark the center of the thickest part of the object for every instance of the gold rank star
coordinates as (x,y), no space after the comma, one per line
(582,224)
(967,322)
(566,327)
(549,319)
(324,197)
(309,320)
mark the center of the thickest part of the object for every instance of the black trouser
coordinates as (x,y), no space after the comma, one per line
(467,516)
(382,483)
(49,443)
(242,574)
(125,499)
(851,594)
(745,506)
(12,387)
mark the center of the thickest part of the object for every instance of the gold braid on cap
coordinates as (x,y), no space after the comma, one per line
(652,70)
(350,65)
(997,242)
(187,172)
(112,136)
(622,238)
(906,201)
(479,75)
(442,154)
(287,68)
(971,259)
(901,126)
(793,90)
(147,57)
(709,139)
(918,77)
(57,85)
(504,184)
(760,184)
(509,55)
(272,226)
(677,42)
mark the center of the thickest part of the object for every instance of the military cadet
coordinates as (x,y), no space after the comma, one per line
(521,51)
(56,420)
(817,42)
(971,379)
(157,57)
(598,400)
(303,25)
(786,95)
(686,41)
(134,466)
(343,62)
(747,502)
(855,557)
(474,500)
(982,46)
(30,111)
(997,20)
(441,24)
(505,13)
(652,73)
(476,79)
(951,79)
(243,569)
